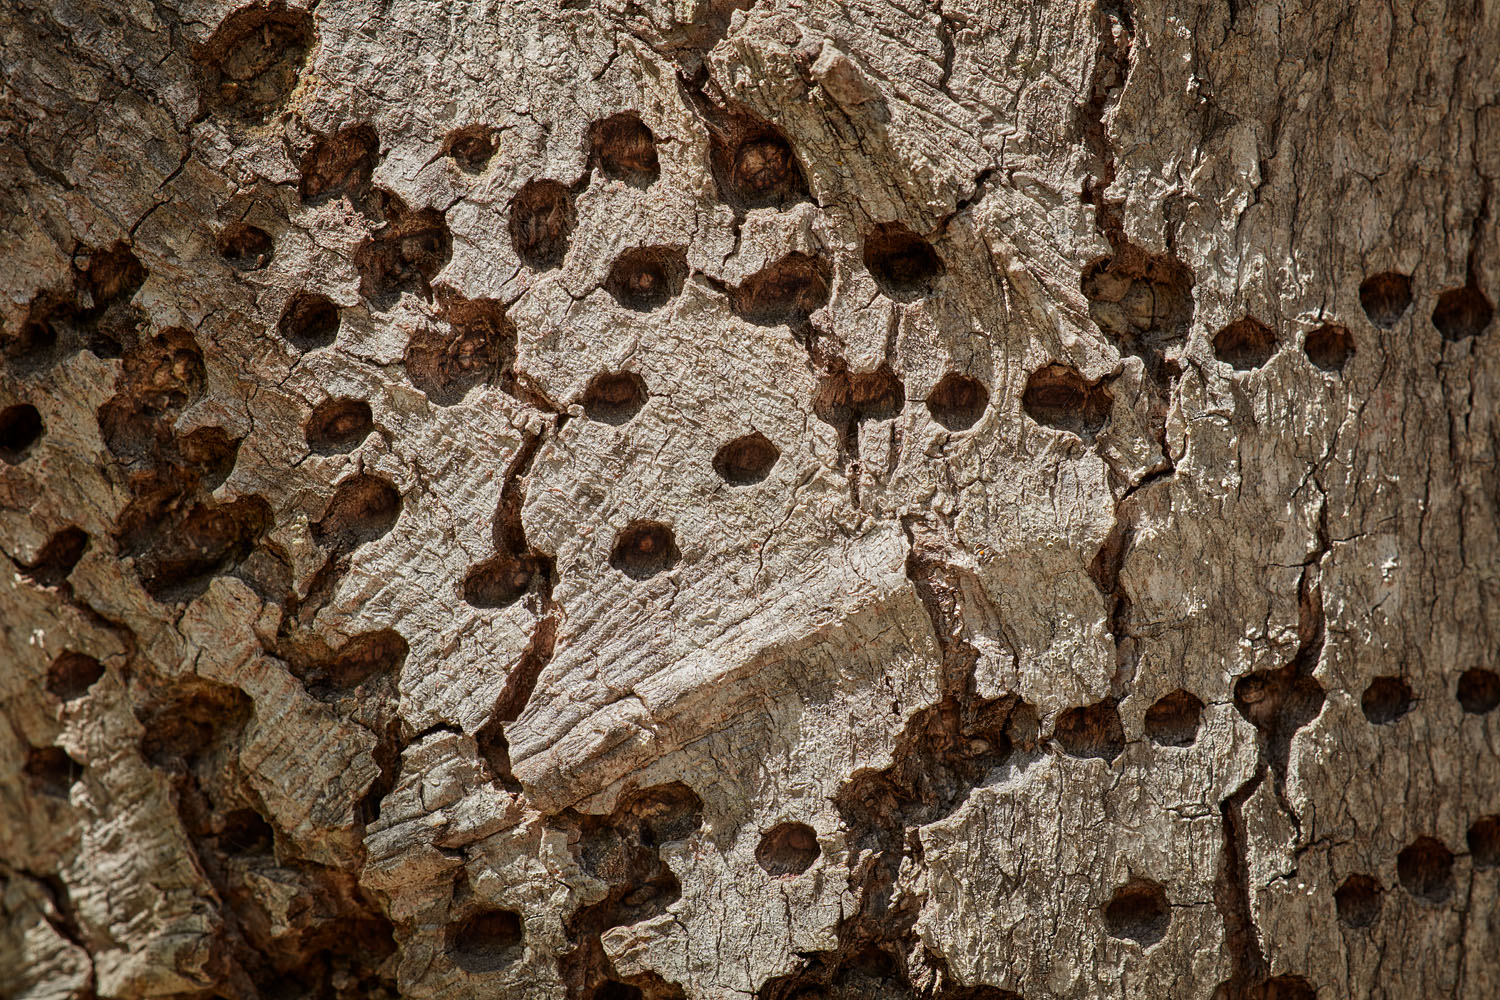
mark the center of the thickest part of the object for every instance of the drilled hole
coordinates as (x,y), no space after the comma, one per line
(182,559)
(58,555)
(644,549)
(50,771)
(500,581)
(487,942)
(844,397)
(1059,397)
(1357,900)
(1484,842)
(905,266)
(471,147)
(188,720)
(339,164)
(20,427)
(251,65)
(1173,721)
(479,346)
(363,508)
(785,292)
(245,246)
(1425,869)
(1462,313)
(1138,911)
(405,253)
(541,220)
(365,656)
(1278,702)
(1478,690)
(754,164)
(958,401)
(615,397)
(310,321)
(787,849)
(72,674)
(647,278)
(746,460)
(1285,988)
(337,425)
(244,832)
(1329,347)
(1245,344)
(625,149)
(1385,298)
(613,989)
(1091,731)
(1386,700)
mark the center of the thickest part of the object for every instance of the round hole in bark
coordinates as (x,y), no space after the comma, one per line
(1386,700)
(310,321)
(1425,868)
(245,246)
(471,147)
(1484,842)
(958,401)
(365,656)
(1284,988)
(1462,313)
(903,264)
(1385,297)
(50,771)
(1138,911)
(625,149)
(644,549)
(613,989)
(1245,344)
(1173,721)
(647,278)
(541,220)
(337,425)
(1329,347)
(487,942)
(72,674)
(787,849)
(787,291)
(499,582)
(1091,731)
(746,460)
(251,65)
(244,831)
(1059,397)
(1478,690)
(763,171)
(58,555)
(1357,900)
(20,427)
(339,163)
(363,508)
(614,397)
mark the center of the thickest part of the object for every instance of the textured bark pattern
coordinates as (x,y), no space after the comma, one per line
(726,499)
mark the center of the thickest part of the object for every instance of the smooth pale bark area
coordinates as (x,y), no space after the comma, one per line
(730,499)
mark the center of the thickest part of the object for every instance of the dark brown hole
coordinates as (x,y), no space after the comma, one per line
(1245,344)
(471,147)
(50,771)
(647,278)
(754,165)
(625,149)
(746,460)
(904,265)
(541,220)
(310,321)
(1173,721)
(1386,700)
(58,556)
(499,581)
(1059,397)
(1139,912)
(337,425)
(844,397)
(405,253)
(365,656)
(1329,347)
(1091,731)
(479,346)
(182,560)
(1478,690)
(20,426)
(1462,313)
(1143,303)
(787,849)
(1385,298)
(1278,702)
(363,508)
(786,292)
(644,549)
(250,66)
(614,398)
(189,719)
(973,993)
(613,989)
(245,246)
(340,163)
(1484,842)
(113,273)
(72,674)
(1358,900)
(1425,869)
(1285,988)
(244,831)
(487,941)
(958,401)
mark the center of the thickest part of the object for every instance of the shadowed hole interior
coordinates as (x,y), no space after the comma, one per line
(903,264)
(644,549)
(363,508)
(784,292)
(613,989)
(1385,298)
(1478,690)
(471,147)
(787,849)
(244,832)
(1484,842)
(1245,344)
(20,427)
(624,148)
(72,674)
(177,564)
(367,655)
(1462,313)
(1357,900)
(499,581)
(478,346)
(614,397)
(845,396)
(310,321)
(753,164)
(1425,869)
(50,771)
(251,64)
(406,252)
(746,460)
(1091,731)
(541,221)
(58,556)
(1138,911)
(339,164)
(647,278)
(1173,721)
(245,246)
(1329,347)
(1386,700)
(1059,397)
(187,720)
(958,401)
(1284,988)
(487,942)
(337,425)
(1278,702)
